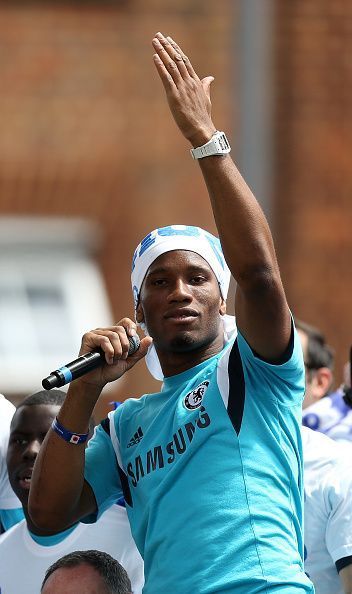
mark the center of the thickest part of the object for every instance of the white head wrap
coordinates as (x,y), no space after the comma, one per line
(179,237)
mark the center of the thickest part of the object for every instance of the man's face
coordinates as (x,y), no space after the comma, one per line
(81,579)
(29,426)
(318,381)
(180,302)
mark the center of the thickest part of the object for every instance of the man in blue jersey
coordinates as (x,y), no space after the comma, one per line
(210,466)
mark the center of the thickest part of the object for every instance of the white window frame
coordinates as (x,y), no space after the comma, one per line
(46,253)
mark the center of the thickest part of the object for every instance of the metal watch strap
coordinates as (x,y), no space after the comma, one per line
(217,145)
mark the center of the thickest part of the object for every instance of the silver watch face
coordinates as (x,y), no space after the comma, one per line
(217,145)
(223,142)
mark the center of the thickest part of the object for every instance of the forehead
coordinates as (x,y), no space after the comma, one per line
(73,580)
(175,260)
(37,417)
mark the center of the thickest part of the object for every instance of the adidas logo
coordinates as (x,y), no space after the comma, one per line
(137,437)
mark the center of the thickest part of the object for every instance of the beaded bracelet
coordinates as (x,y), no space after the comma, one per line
(75,438)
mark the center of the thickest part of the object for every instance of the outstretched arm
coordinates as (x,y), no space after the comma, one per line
(261,309)
(59,495)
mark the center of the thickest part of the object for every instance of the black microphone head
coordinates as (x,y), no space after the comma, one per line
(134,344)
(52,381)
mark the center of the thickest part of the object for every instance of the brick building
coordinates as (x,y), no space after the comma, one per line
(86,132)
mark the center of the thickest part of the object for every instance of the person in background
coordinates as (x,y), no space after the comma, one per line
(327,476)
(10,507)
(327,513)
(86,572)
(318,363)
(25,550)
(327,411)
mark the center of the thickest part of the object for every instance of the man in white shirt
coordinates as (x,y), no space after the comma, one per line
(323,410)
(328,513)
(26,552)
(10,507)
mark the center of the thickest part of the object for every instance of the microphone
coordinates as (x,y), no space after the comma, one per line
(81,366)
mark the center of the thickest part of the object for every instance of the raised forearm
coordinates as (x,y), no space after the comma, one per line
(242,226)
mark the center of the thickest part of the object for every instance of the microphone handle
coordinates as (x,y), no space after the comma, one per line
(73,370)
(84,364)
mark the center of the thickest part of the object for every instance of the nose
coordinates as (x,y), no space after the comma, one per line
(180,292)
(32,449)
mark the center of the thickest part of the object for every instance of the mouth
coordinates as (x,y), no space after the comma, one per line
(24,479)
(182,315)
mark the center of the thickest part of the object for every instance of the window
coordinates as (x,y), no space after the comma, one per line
(51,292)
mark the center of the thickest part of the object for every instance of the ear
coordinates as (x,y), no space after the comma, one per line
(222,309)
(139,314)
(321,382)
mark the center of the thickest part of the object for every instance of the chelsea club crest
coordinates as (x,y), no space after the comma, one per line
(194,399)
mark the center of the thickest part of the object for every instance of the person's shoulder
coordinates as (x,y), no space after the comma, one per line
(316,411)
(320,450)
(13,534)
(324,405)
(283,377)
(336,400)
(7,410)
(291,358)
(328,414)
(313,440)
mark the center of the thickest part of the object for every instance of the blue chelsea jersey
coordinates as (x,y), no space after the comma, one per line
(211,472)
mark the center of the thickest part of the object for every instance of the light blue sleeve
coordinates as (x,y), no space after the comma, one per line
(101,472)
(10,517)
(284,382)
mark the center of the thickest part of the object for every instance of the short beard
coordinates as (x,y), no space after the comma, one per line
(183,344)
(188,343)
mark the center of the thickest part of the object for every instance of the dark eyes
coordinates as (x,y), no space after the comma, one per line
(197,280)
(20,441)
(159,282)
(194,280)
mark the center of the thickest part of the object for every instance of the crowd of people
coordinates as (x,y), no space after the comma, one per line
(206,485)
(34,549)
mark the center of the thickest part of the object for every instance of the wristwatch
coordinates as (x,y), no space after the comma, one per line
(217,145)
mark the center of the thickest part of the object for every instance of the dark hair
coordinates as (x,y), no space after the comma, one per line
(113,574)
(44,397)
(319,353)
(53,397)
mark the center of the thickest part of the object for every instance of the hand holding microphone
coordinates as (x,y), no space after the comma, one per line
(109,351)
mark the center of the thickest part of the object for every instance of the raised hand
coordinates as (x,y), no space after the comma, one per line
(188,95)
